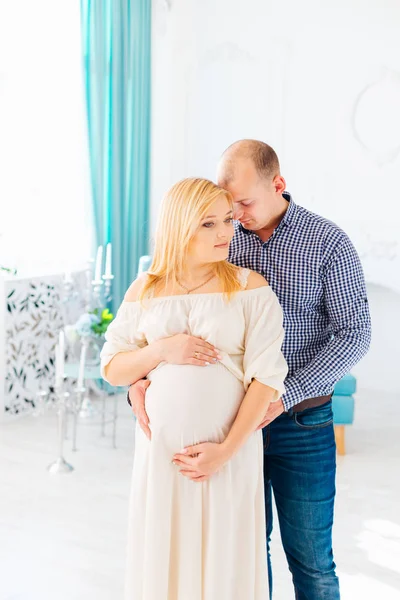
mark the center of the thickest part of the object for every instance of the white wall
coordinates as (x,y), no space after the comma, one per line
(320,82)
(379,370)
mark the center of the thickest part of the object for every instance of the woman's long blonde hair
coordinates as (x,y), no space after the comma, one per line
(182,209)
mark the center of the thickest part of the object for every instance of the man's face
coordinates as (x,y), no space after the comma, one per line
(254,198)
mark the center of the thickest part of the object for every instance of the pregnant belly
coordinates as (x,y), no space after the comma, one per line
(189,404)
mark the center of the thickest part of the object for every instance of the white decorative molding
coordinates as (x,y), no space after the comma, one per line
(379,251)
(376,117)
(226,51)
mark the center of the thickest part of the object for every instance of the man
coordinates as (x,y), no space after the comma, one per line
(316,273)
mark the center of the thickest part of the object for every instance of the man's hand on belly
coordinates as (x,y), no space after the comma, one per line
(137,395)
(201,461)
(274,410)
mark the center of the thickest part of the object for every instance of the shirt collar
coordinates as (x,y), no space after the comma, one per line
(287,219)
(291,211)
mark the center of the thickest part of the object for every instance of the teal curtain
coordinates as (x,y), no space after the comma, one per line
(117,71)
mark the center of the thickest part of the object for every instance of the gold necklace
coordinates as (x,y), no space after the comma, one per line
(189,291)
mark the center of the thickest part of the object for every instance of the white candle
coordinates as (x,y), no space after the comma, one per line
(61,344)
(81,374)
(57,364)
(59,372)
(99,264)
(108,261)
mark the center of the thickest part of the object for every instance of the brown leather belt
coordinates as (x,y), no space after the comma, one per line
(311,403)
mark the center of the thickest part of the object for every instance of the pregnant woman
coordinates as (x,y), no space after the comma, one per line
(208,336)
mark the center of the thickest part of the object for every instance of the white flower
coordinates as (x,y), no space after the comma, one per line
(84,324)
(71,335)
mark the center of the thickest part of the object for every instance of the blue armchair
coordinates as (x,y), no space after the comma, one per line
(343,409)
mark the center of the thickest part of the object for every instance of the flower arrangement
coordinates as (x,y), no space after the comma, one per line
(94,323)
(88,330)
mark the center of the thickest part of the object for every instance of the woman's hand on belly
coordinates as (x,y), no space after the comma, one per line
(201,461)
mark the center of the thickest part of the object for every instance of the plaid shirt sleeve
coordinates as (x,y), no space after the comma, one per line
(346,303)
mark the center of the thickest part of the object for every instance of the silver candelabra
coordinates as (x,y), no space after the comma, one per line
(60,465)
(97,294)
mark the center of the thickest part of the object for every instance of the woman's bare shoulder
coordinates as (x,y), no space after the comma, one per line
(133,292)
(255,280)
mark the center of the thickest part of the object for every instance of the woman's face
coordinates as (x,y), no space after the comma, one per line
(214,234)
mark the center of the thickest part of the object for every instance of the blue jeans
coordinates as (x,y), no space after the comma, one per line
(300,467)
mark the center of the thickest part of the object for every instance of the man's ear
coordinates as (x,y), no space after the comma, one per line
(279,184)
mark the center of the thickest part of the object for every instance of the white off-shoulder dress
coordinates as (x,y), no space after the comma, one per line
(187,540)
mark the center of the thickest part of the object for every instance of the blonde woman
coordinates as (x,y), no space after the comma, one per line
(208,336)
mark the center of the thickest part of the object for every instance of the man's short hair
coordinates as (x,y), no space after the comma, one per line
(263,157)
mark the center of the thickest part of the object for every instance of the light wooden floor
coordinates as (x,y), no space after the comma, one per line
(64,538)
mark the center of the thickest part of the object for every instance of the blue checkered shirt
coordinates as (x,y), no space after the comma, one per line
(315,271)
